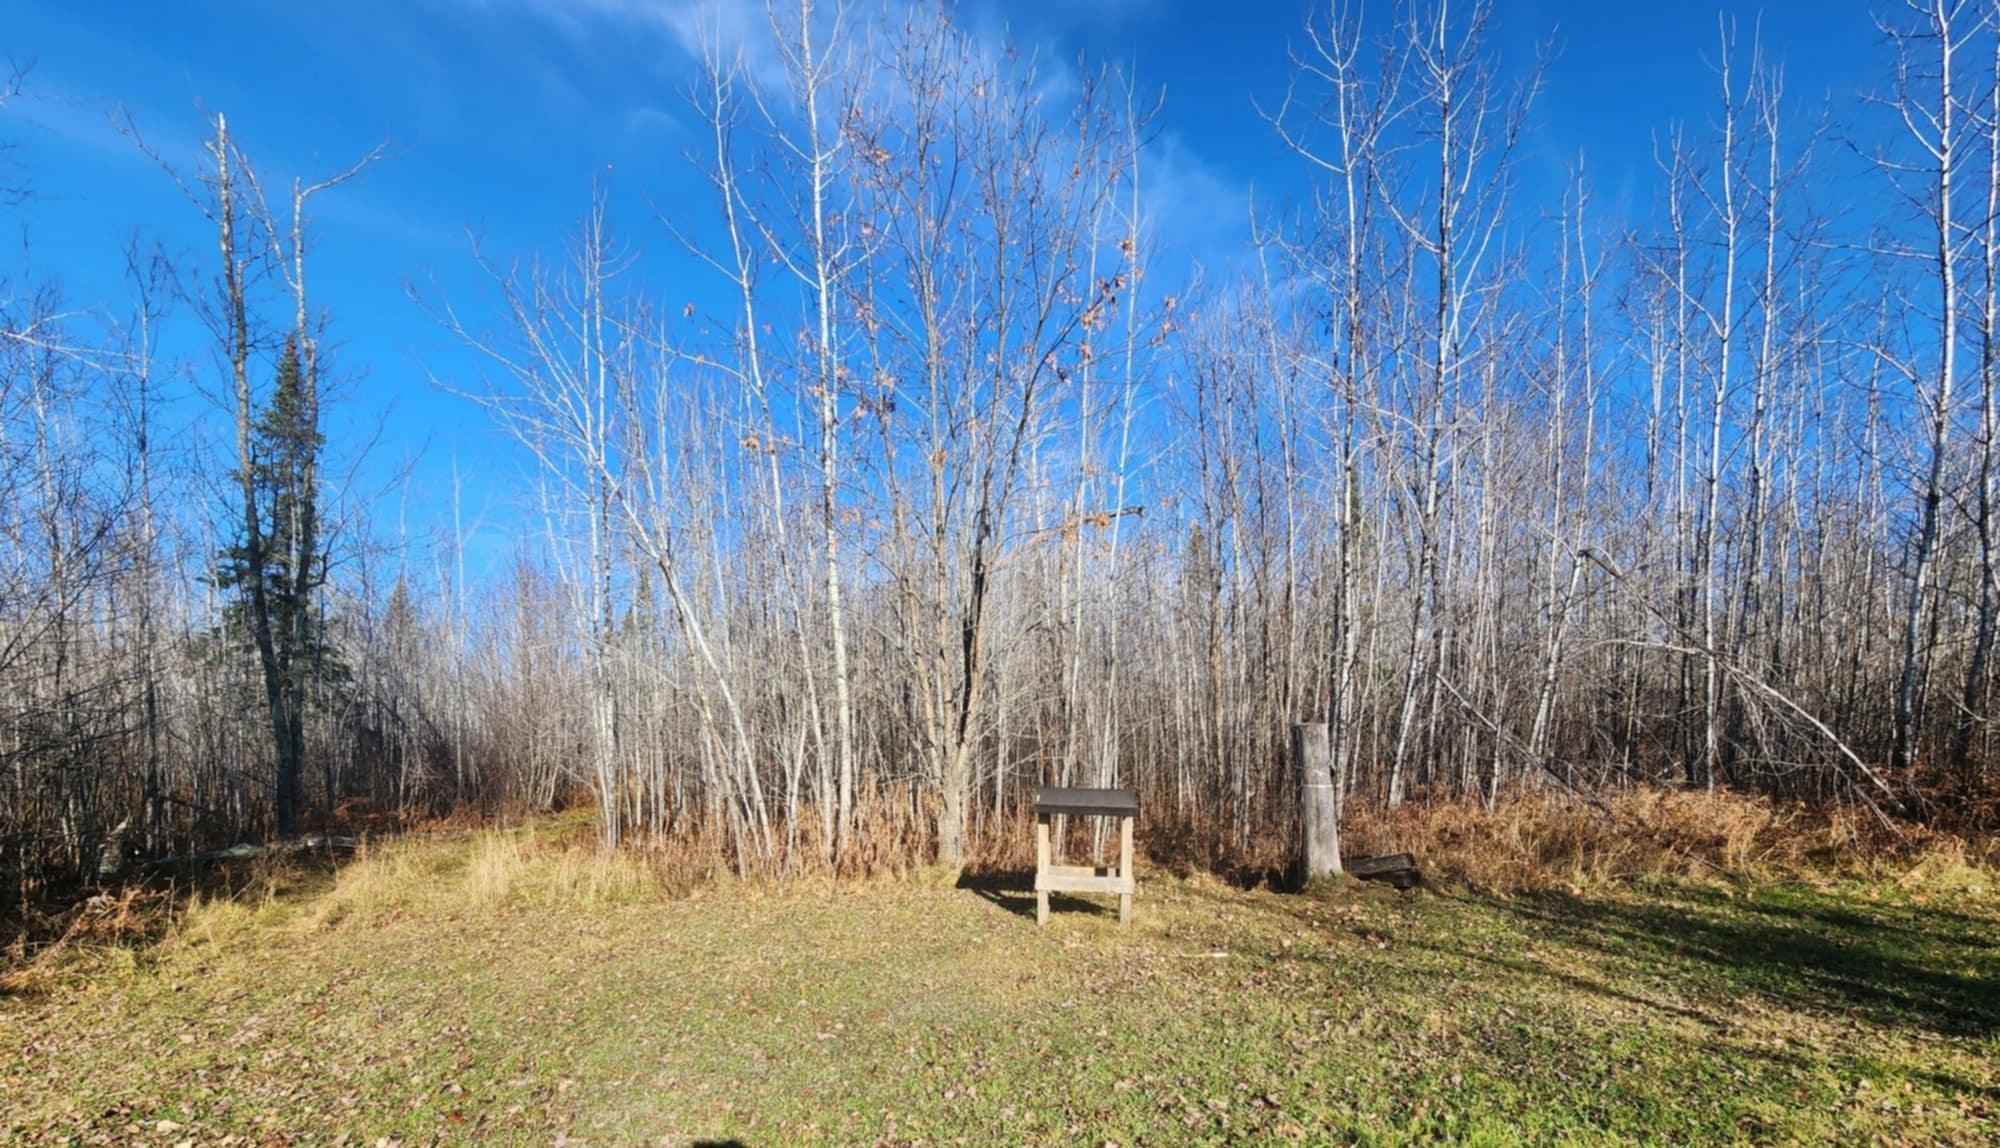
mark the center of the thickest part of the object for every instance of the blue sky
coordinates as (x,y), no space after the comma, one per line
(499,113)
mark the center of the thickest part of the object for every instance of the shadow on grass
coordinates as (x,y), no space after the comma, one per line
(1184,854)
(1577,981)
(1809,955)
(1014,891)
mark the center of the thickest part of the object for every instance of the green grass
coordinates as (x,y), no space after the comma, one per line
(425,1000)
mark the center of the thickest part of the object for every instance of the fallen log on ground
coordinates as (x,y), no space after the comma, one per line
(1397,869)
(246,852)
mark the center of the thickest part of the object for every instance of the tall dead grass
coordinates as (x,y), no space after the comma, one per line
(483,871)
(1561,841)
(478,871)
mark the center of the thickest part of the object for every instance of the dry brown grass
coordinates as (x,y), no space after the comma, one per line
(99,930)
(1532,842)
(1560,841)
(485,871)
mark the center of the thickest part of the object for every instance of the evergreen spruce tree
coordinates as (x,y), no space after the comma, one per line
(278,565)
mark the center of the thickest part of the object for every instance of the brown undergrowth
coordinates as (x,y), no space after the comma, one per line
(1559,841)
(1529,843)
(112,926)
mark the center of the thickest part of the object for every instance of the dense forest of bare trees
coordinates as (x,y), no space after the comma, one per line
(929,486)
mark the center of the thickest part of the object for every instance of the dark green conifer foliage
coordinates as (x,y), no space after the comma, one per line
(278,564)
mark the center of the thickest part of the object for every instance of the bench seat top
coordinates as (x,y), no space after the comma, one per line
(1087,802)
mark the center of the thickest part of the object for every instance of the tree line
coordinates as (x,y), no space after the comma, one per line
(956,481)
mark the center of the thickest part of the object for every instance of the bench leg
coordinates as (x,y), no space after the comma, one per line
(1041,869)
(1125,869)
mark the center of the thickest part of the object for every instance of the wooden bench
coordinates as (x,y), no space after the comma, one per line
(1050,877)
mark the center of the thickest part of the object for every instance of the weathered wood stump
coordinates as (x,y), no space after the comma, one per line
(1319,799)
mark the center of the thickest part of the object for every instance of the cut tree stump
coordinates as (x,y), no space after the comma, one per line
(1319,799)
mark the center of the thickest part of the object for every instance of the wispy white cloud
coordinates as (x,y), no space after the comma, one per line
(1201,206)
(735,29)
(648,119)
(388,218)
(92,124)
(749,31)
(1204,210)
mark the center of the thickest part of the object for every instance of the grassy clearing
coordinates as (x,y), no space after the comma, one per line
(493,990)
